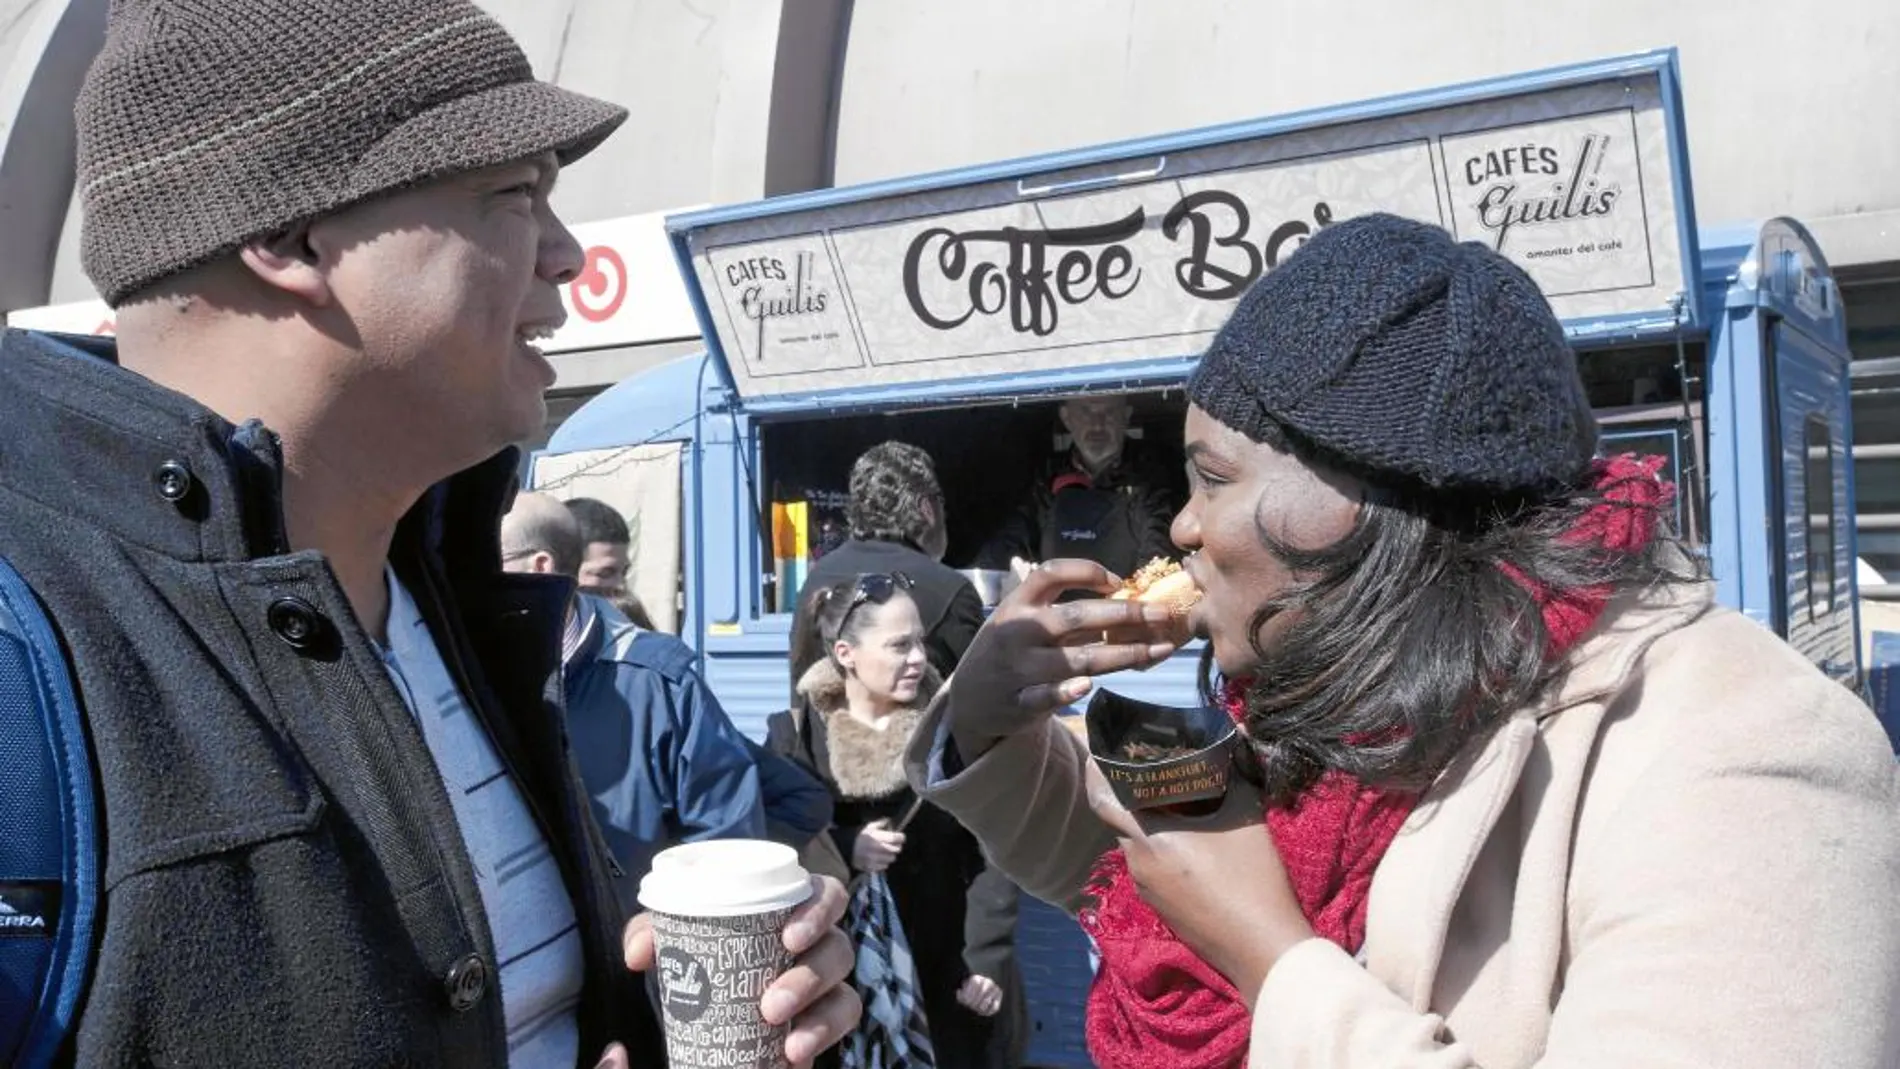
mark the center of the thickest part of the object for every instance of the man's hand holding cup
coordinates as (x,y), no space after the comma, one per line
(743,891)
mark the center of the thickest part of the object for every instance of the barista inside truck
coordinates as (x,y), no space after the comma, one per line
(1106,499)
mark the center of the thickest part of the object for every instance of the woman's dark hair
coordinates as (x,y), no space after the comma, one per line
(1413,638)
(824,617)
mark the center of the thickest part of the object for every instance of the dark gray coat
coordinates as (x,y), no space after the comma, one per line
(285,882)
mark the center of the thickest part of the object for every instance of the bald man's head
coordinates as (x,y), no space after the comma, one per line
(540,535)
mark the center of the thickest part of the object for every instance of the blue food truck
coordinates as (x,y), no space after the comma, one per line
(955,310)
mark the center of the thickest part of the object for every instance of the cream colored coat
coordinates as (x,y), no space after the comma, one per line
(1688,855)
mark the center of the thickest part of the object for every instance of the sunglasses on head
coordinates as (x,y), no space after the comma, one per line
(875,588)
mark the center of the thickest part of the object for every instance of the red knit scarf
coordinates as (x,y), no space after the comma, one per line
(1155,1004)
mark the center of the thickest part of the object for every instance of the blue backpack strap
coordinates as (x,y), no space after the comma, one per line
(49,872)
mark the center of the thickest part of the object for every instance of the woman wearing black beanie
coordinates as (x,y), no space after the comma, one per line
(1519,794)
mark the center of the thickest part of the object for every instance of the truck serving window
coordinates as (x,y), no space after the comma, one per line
(987,457)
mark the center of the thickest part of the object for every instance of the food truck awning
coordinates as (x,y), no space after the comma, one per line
(1126,258)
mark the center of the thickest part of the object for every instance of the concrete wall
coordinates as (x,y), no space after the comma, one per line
(45,46)
(929,86)
(696,75)
(734,99)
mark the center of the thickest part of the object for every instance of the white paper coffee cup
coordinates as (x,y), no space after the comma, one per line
(719,911)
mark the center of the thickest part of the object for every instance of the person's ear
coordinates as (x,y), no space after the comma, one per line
(288,261)
(542,563)
(845,656)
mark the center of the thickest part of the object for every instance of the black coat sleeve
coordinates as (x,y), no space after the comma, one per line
(989,926)
(782,738)
(1156,522)
(797,805)
(1019,535)
(952,635)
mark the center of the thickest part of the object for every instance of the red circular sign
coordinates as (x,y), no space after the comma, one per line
(601,285)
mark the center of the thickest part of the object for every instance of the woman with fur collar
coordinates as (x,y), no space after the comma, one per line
(861,701)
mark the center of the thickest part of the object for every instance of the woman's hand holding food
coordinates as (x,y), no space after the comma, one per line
(1035,656)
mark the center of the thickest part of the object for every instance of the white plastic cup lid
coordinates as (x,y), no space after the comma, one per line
(725,878)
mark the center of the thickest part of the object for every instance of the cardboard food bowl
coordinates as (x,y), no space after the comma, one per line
(1193,751)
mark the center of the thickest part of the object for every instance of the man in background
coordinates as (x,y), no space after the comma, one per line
(660,758)
(607,561)
(1103,500)
(606,556)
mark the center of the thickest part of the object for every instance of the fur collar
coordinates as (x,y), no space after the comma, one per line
(865,762)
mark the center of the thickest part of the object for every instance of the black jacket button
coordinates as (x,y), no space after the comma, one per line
(172,480)
(466,983)
(296,621)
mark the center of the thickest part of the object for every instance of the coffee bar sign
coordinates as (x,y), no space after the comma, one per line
(1143,257)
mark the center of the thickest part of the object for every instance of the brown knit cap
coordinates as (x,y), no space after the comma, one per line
(206,123)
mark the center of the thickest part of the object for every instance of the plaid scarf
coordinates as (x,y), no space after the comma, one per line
(894,1033)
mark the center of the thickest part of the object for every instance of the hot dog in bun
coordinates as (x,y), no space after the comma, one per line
(1162,582)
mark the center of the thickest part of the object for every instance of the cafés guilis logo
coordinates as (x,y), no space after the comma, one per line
(1529,186)
(770,288)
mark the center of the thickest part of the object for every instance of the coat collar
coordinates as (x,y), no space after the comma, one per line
(1602,662)
(117,451)
(1131,468)
(1423,875)
(607,636)
(863,762)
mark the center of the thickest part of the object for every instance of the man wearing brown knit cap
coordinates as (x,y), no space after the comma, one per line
(342,824)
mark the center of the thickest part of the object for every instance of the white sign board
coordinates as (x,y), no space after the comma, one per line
(1577,184)
(629,292)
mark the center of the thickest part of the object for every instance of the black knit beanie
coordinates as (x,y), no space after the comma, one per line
(1400,352)
(206,123)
